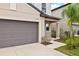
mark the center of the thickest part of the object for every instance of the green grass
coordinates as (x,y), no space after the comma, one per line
(66,50)
(70,52)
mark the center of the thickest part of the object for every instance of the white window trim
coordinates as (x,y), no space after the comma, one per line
(13,6)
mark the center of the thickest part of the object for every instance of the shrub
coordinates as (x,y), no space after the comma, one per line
(69,43)
(72,43)
(77,41)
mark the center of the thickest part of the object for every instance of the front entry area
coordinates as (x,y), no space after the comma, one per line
(14,33)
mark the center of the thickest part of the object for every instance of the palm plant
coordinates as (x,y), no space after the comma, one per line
(72,13)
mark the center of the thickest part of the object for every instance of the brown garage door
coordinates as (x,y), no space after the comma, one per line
(17,33)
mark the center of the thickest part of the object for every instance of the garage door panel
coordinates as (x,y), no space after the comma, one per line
(16,33)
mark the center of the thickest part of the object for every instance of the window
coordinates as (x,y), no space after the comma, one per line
(44,7)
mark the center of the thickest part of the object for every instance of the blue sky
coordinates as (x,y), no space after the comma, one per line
(55,5)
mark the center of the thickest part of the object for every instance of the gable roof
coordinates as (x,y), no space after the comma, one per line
(60,7)
(42,14)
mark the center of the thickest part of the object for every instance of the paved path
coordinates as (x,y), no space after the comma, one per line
(35,49)
(56,45)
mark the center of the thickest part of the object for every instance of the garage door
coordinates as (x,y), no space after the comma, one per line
(17,33)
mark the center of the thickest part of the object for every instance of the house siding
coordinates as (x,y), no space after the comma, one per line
(22,11)
(4,5)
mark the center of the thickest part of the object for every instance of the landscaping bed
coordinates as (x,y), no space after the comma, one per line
(46,43)
(60,40)
(71,48)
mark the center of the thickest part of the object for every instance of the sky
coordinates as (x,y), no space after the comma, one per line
(55,5)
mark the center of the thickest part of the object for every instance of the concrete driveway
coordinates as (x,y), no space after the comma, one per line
(35,49)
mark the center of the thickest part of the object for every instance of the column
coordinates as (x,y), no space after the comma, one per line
(50,28)
(58,30)
(42,27)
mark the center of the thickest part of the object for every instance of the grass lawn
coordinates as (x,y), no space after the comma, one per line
(65,50)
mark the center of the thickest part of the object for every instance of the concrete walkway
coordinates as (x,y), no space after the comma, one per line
(35,49)
(56,45)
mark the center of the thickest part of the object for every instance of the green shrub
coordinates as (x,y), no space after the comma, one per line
(77,41)
(69,43)
(72,43)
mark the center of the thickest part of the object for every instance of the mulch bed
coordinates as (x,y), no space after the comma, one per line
(46,43)
(60,40)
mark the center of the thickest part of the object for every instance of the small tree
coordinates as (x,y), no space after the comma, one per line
(72,13)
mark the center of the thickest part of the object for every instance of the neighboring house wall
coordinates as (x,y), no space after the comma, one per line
(63,21)
(57,13)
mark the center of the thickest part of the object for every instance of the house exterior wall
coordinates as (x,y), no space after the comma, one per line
(23,12)
(4,5)
(57,13)
(38,5)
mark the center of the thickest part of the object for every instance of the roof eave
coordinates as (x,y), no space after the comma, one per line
(42,14)
(60,7)
(50,17)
